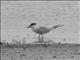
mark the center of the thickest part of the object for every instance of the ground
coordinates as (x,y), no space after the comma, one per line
(40,52)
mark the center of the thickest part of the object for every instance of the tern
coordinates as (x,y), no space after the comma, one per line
(42,30)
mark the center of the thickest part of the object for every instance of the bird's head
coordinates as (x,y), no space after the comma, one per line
(32,24)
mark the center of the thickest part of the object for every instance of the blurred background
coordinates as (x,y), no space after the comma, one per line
(16,14)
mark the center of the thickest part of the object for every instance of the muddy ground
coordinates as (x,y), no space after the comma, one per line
(40,52)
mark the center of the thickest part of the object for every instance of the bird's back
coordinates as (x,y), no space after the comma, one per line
(41,30)
(44,30)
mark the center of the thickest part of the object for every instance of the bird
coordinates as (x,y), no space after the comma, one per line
(41,30)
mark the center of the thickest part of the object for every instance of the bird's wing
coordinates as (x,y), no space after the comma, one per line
(43,28)
(54,27)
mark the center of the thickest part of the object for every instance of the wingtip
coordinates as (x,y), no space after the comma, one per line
(61,25)
(57,26)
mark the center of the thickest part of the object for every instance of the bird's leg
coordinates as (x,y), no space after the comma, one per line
(42,37)
(39,37)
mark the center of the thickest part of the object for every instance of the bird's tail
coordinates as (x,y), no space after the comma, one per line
(54,27)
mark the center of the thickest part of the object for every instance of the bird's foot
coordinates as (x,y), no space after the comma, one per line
(41,41)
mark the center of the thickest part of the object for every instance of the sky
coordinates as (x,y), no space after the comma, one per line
(16,14)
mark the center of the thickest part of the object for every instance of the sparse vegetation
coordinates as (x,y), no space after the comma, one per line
(42,51)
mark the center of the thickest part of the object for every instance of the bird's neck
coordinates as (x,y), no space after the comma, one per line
(33,27)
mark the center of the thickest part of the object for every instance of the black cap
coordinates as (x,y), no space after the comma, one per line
(31,25)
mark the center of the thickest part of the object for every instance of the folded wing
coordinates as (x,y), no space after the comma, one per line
(42,30)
